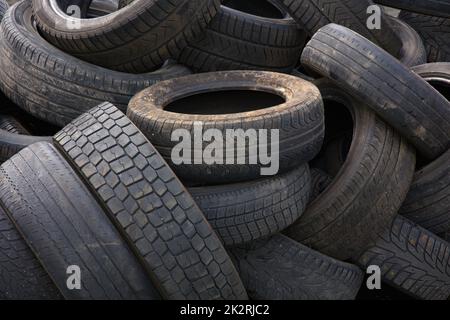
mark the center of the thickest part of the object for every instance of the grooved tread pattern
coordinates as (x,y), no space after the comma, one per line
(3,7)
(64,226)
(235,40)
(440,8)
(401,97)
(255,209)
(150,207)
(312,15)
(54,86)
(435,32)
(282,269)
(412,259)
(137,39)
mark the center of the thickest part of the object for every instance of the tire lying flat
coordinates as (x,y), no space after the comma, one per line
(243,212)
(312,15)
(150,207)
(398,95)
(64,226)
(368,191)
(54,86)
(280,268)
(244,40)
(435,33)
(412,260)
(138,38)
(297,114)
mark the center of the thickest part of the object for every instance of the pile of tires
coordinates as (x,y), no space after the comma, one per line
(207,149)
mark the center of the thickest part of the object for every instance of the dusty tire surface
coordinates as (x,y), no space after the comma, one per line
(280,268)
(22,277)
(64,226)
(312,15)
(148,204)
(136,39)
(3,7)
(367,192)
(242,39)
(247,211)
(412,260)
(297,114)
(431,7)
(398,95)
(54,86)
(413,52)
(435,33)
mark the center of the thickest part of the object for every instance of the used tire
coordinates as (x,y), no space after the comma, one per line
(312,15)
(401,97)
(242,212)
(3,7)
(21,274)
(136,38)
(320,180)
(150,207)
(435,33)
(428,201)
(247,35)
(413,52)
(233,100)
(55,86)
(412,260)
(437,8)
(280,268)
(64,226)
(368,191)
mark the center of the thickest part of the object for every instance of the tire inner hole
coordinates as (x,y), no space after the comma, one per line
(225,102)
(262,8)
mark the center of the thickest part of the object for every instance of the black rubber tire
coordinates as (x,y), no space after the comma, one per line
(150,207)
(3,8)
(64,225)
(438,8)
(312,15)
(10,124)
(242,212)
(320,181)
(55,86)
(299,120)
(280,268)
(412,260)
(368,191)
(136,38)
(401,97)
(21,275)
(413,52)
(435,33)
(236,40)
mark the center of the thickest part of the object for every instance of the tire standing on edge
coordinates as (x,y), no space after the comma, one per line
(54,86)
(367,192)
(412,260)
(280,268)
(137,38)
(247,35)
(263,102)
(150,207)
(398,95)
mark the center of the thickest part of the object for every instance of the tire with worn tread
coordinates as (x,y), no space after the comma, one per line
(438,8)
(312,15)
(3,7)
(435,33)
(149,205)
(54,86)
(368,191)
(280,268)
(298,117)
(401,97)
(21,274)
(243,212)
(137,38)
(243,39)
(65,226)
(412,260)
